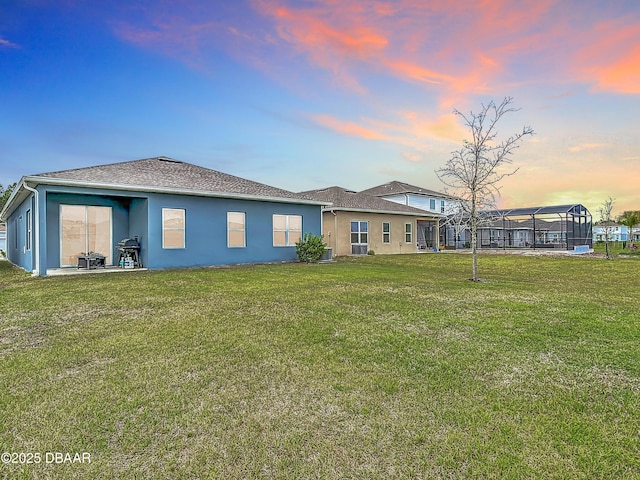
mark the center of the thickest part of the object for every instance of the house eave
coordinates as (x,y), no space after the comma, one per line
(384,212)
(18,195)
(167,190)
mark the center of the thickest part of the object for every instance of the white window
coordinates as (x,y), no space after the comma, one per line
(236,237)
(173,228)
(408,232)
(287,230)
(359,237)
(441,206)
(359,233)
(28,231)
(386,232)
(432,204)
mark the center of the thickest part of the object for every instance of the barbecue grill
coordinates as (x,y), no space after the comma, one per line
(129,253)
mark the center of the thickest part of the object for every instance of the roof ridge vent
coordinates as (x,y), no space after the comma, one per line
(169,160)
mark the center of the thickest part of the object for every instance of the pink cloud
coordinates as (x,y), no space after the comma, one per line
(455,50)
(410,129)
(7,44)
(586,146)
(612,59)
(348,128)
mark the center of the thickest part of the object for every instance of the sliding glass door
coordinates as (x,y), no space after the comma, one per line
(84,229)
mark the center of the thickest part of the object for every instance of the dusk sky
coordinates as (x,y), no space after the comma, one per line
(307,94)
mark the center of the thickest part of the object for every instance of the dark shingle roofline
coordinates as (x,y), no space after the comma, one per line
(343,199)
(179,191)
(396,187)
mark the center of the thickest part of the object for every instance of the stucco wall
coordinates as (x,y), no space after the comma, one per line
(136,213)
(206,231)
(337,232)
(16,243)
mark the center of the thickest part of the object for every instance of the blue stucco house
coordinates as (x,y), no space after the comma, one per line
(182,215)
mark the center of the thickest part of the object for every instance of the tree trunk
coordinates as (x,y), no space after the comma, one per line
(474,238)
(474,254)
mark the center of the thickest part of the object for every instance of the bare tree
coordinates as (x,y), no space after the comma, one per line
(475,171)
(606,221)
(455,222)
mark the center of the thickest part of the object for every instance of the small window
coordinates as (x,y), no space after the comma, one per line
(432,204)
(287,230)
(408,233)
(173,228)
(386,232)
(441,206)
(28,231)
(235,230)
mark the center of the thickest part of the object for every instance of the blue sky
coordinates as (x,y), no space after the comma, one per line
(307,94)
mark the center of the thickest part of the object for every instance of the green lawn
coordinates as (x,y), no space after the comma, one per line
(371,367)
(616,248)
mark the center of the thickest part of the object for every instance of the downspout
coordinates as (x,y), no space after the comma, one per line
(36,219)
(335,232)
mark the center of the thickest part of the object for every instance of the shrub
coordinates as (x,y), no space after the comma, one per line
(310,248)
(371,252)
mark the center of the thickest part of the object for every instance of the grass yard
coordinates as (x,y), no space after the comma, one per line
(370,367)
(616,248)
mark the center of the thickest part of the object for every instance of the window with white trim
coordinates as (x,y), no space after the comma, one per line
(15,232)
(287,230)
(359,237)
(386,232)
(408,232)
(359,233)
(173,227)
(27,240)
(236,237)
(432,204)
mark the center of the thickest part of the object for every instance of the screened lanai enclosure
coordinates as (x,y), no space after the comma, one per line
(556,226)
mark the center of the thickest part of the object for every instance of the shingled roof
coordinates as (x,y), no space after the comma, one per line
(395,187)
(164,173)
(344,199)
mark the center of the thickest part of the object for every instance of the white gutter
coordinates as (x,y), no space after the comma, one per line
(386,212)
(36,219)
(335,231)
